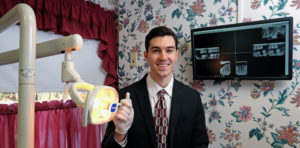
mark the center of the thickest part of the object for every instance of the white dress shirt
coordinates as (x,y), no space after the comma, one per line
(154,88)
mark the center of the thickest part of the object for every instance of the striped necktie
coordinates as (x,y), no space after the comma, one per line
(161,120)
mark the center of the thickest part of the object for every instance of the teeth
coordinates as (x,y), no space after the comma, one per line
(163,65)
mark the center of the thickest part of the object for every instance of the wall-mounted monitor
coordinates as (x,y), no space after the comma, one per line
(260,50)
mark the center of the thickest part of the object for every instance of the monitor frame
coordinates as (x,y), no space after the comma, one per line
(244,26)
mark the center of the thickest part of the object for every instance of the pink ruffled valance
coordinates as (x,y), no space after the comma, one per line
(82,17)
(7,109)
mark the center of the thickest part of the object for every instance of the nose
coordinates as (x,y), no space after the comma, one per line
(163,55)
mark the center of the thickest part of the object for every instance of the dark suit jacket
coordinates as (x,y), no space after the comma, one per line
(187,127)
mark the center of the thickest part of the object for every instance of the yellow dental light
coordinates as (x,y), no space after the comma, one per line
(99,106)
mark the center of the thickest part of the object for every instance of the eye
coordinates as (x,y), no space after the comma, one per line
(170,50)
(155,51)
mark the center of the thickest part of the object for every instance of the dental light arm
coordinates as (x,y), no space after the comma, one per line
(101,102)
(26,56)
(69,74)
(45,49)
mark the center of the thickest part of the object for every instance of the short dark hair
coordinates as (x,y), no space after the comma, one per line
(160,31)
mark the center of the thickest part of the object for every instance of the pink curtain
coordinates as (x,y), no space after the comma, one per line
(82,17)
(57,125)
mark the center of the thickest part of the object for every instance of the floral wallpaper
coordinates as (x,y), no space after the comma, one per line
(239,114)
(245,113)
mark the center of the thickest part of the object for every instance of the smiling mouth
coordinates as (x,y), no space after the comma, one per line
(163,65)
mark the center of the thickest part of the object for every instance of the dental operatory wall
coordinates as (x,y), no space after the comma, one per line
(247,113)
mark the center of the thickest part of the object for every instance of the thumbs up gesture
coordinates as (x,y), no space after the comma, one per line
(124,115)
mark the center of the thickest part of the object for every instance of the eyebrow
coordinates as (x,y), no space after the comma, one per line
(168,47)
(171,47)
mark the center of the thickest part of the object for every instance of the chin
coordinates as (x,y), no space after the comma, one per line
(163,75)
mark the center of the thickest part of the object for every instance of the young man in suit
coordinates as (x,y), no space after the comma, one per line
(140,123)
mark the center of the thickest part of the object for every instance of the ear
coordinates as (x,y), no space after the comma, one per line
(146,55)
(177,52)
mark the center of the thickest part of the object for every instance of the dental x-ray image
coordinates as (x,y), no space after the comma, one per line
(271,33)
(277,49)
(213,52)
(269,49)
(241,68)
(207,53)
(200,53)
(225,69)
(260,50)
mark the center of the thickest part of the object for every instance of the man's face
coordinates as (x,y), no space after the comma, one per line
(161,56)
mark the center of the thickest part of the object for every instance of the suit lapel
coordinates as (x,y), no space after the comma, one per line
(176,102)
(145,107)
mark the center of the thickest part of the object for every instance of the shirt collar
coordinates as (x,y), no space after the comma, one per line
(154,88)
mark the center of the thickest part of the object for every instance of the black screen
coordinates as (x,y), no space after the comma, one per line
(253,50)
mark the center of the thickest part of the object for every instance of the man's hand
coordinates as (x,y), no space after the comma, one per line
(124,116)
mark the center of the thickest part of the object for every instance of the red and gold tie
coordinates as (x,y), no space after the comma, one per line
(161,120)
